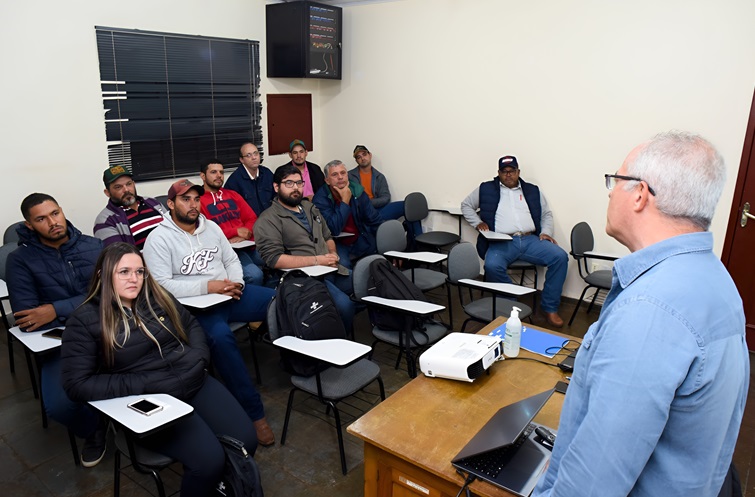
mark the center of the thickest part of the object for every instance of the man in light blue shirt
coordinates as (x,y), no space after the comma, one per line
(660,381)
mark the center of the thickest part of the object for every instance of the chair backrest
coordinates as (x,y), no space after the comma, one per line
(361,274)
(415,207)
(463,262)
(390,236)
(11,235)
(5,250)
(581,239)
(163,199)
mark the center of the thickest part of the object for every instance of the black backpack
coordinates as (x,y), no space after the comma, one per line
(241,477)
(305,309)
(389,282)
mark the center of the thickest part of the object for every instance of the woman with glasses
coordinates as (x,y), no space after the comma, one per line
(131,337)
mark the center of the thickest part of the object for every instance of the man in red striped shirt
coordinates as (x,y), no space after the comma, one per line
(127,217)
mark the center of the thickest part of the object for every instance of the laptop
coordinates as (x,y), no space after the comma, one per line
(504,451)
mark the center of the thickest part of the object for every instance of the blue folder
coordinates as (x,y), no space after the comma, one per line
(536,341)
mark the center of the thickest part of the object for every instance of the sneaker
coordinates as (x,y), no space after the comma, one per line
(94,447)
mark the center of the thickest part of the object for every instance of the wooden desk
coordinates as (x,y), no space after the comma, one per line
(410,438)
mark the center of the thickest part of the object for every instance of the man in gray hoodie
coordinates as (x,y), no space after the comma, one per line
(190,256)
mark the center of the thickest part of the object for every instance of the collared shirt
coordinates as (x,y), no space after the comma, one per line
(307,191)
(660,381)
(512,214)
(249,173)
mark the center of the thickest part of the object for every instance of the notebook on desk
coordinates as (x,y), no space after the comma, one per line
(503,452)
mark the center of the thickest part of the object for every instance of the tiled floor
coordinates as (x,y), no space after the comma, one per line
(38,462)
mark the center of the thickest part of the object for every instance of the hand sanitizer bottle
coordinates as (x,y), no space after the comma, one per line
(513,334)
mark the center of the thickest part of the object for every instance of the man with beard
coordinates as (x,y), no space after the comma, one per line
(310,172)
(292,234)
(190,256)
(234,216)
(127,217)
(48,275)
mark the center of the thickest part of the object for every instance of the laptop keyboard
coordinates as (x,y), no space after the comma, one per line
(491,463)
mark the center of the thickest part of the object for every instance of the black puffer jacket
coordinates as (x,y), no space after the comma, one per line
(138,367)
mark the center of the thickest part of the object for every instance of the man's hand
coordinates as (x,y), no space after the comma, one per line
(328,260)
(345,193)
(236,239)
(244,233)
(543,236)
(32,319)
(482,227)
(225,287)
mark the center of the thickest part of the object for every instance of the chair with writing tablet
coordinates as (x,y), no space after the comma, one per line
(582,243)
(8,319)
(11,235)
(463,271)
(408,342)
(391,237)
(347,374)
(415,209)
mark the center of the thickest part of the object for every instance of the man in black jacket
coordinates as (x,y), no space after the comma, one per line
(48,275)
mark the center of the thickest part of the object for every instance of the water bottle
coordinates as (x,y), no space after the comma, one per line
(513,334)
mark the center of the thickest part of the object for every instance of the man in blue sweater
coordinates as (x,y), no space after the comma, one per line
(348,211)
(252,181)
(48,276)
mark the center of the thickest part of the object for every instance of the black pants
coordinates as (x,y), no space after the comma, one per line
(193,442)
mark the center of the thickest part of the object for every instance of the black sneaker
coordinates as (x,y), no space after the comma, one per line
(94,447)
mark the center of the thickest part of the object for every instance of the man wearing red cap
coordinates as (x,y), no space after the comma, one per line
(190,256)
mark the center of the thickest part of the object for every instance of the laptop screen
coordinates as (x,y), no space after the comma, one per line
(505,426)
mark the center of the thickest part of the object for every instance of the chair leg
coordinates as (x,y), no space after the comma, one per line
(74,448)
(32,374)
(450,307)
(592,302)
(252,340)
(41,398)
(288,415)
(117,474)
(341,450)
(9,337)
(464,326)
(382,388)
(579,302)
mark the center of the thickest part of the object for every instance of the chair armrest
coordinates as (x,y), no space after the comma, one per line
(428,257)
(498,288)
(336,351)
(313,271)
(411,307)
(117,409)
(604,257)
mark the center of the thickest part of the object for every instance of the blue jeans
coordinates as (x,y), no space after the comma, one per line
(535,251)
(395,210)
(80,417)
(192,439)
(340,288)
(226,356)
(251,265)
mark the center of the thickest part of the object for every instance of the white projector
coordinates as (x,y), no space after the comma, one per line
(461,356)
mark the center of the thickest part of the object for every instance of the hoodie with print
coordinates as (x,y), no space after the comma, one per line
(184,263)
(228,210)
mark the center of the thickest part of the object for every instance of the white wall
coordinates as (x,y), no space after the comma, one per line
(437,89)
(52,136)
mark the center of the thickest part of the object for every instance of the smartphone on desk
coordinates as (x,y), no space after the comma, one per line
(144,406)
(54,333)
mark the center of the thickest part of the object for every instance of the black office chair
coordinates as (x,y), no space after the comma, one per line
(143,461)
(329,386)
(8,319)
(392,236)
(10,235)
(464,264)
(415,209)
(582,241)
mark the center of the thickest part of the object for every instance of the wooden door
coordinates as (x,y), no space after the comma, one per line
(739,246)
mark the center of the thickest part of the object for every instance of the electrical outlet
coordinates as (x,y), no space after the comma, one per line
(595,267)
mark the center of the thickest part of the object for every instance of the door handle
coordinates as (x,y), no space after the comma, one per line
(746,214)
